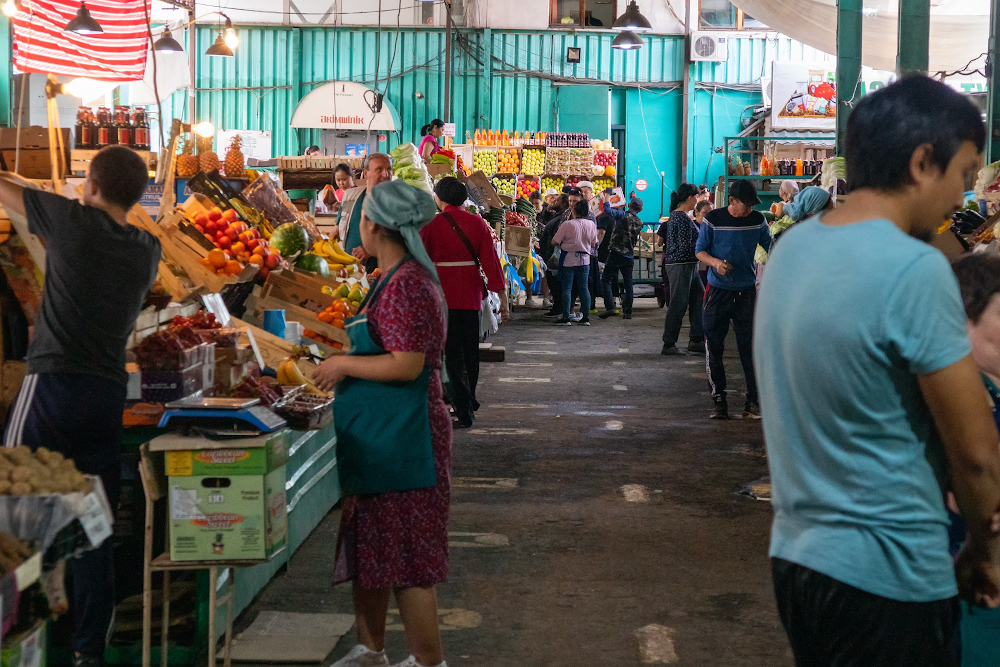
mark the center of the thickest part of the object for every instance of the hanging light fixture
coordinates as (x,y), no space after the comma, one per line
(627,41)
(9,8)
(167,44)
(219,48)
(204,129)
(83,23)
(632,20)
(232,39)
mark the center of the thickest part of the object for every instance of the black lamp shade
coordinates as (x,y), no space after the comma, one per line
(632,19)
(167,43)
(219,48)
(83,23)
(627,41)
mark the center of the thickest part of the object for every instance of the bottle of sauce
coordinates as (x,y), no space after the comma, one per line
(798,167)
(82,130)
(123,130)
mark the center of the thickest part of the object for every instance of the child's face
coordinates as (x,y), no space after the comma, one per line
(985,337)
(699,215)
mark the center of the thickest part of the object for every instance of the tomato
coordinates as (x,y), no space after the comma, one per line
(211,227)
(225,242)
(252,244)
(271,261)
(200,218)
(215,213)
(232,234)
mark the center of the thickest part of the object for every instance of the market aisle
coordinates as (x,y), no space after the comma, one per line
(595,516)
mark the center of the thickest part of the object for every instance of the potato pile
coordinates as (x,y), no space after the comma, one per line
(25,474)
(13,552)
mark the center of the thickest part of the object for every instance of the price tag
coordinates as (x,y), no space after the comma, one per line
(449,129)
(94,518)
(215,305)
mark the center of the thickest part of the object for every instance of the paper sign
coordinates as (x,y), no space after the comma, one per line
(184,504)
(617,198)
(28,572)
(94,519)
(449,129)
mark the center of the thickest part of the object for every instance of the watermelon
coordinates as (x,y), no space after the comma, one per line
(289,239)
(313,264)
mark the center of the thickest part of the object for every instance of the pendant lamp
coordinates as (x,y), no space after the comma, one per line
(219,48)
(83,23)
(627,41)
(167,44)
(632,20)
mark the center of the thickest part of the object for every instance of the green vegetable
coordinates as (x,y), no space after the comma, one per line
(440,159)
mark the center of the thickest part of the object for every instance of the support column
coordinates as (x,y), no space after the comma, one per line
(295,51)
(192,53)
(993,87)
(848,63)
(447,62)
(686,92)
(913,36)
(485,91)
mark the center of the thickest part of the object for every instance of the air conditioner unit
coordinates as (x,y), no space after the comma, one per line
(709,46)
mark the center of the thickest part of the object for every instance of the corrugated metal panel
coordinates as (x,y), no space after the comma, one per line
(6,97)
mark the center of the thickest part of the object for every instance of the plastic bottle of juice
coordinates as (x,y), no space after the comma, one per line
(798,167)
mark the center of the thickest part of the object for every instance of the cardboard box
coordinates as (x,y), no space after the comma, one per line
(203,457)
(166,386)
(228,518)
(25,649)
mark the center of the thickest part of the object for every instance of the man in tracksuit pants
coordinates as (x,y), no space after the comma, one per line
(726,243)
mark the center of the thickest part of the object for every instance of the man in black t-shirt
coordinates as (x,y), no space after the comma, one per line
(98,270)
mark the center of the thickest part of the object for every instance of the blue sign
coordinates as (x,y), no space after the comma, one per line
(356,149)
(150,200)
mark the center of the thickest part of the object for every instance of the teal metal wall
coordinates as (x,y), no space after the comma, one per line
(5,73)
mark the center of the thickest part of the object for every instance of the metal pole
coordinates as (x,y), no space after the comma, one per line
(848,63)
(686,103)
(914,36)
(993,87)
(192,65)
(447,61)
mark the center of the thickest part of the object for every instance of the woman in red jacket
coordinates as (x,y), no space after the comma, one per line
(459,243)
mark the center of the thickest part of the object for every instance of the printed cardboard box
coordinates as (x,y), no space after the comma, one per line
(26,649)
(252,456)
(228,518)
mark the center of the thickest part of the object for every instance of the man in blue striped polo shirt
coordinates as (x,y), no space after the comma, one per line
(726,243)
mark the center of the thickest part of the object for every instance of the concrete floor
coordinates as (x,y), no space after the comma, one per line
(596,518)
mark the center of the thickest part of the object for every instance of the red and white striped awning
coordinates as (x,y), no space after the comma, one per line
(118,54)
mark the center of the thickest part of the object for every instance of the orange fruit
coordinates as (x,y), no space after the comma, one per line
(217,258)
(257,259)
(233,267)
(326,317)
(337,316)
(338,323)
(340,306)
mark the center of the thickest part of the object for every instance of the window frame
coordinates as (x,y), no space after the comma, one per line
(554,17)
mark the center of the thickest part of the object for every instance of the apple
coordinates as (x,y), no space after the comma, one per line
(271,261)
(232,234)
(239,248)
(263,272)
(242,225)
(342,274)
(201,230)
(224,242)
(253,244)
(211,227)
(229,214)
(215,213)
(253,233)
(243,238)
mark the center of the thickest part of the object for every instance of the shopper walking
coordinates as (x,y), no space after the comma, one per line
(680,270)
(727,241)
(98,270)
(431,133)
(624,236)
(871,399)
(394,436)
(558,203)
(577,238)
(461,245)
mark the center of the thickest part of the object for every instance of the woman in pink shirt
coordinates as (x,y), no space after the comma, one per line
(576,238)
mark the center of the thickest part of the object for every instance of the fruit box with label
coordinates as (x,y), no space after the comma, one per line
(190,456)
(25,649)
(228,518)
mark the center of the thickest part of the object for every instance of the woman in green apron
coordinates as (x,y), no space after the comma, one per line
(394,435)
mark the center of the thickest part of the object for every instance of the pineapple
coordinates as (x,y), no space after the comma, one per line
(234,158)
(187,162)
(208,161)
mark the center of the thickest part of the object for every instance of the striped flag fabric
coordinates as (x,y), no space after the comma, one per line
(118,54)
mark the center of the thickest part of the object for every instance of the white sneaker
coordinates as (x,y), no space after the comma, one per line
(576,317)
(412,662)
(362,656)
(546,302)
(530,302)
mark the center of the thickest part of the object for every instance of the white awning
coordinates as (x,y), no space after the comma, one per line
(960,29)
(344,105)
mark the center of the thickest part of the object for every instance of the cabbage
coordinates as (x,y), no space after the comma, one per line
(410,173)
(404,150)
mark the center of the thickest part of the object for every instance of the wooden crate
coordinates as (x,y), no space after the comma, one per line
(256,305)
(518,240)
(80,160)
(303,290)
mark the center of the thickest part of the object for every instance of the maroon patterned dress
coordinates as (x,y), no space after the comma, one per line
(400,539)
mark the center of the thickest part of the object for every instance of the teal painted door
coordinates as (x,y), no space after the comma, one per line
(584,109)
(653,131)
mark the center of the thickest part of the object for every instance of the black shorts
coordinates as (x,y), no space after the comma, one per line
(831,624)
(77,415)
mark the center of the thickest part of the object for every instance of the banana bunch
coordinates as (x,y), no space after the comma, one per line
(332,251)
(289,374)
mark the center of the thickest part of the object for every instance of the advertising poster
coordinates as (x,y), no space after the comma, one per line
(803,95)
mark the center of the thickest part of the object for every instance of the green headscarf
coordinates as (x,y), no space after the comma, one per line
(404,208)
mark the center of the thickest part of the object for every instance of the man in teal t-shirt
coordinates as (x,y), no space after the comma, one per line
(871,400)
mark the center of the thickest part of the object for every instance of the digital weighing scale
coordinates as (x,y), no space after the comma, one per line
(221,417)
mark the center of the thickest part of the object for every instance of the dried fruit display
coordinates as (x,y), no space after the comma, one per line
(27,473)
